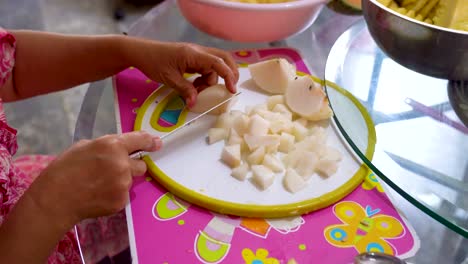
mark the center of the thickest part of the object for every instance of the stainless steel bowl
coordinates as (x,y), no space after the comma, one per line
(427,49)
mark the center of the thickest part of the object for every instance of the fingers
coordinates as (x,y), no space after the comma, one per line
(185,87)
(140,140)
(138,167)
(208,62)
(227,59)
(205,81)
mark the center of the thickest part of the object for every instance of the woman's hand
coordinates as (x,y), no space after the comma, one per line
(167,63)
(92,178)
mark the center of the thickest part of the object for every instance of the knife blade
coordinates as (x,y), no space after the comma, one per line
(140,154)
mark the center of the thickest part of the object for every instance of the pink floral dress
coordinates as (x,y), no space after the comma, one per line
(98,238)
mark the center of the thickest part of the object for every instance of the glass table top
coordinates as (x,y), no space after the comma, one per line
(421,141)
(357,65)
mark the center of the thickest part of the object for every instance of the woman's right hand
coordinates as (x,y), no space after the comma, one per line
(92,178)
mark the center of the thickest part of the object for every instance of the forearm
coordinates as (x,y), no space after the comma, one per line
(48,62)
(30,233)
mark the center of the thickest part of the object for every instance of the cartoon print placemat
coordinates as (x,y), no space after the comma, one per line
(165,229)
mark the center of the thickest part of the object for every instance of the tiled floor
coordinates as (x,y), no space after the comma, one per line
(46,124)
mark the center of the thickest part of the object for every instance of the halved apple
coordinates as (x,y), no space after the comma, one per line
(304,97)
(272,76)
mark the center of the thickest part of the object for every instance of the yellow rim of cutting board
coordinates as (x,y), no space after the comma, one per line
(264,211)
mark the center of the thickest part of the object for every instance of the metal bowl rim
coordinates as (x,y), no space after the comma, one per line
(449,30)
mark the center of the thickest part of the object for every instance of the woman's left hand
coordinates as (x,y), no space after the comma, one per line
(167,62)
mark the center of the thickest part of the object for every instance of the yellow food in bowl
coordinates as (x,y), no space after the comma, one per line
(261,1)
(436,12)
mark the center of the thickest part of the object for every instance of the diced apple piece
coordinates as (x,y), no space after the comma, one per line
(254,141)
(319,132)
(280,125)
(312,143)
(331,154)
(252,110)
(231,155)
(225,120)
(291,158)
(256,157)
(240,172)
(304,97)
(258,126)
(306,164)
(273,163)
(272,149)
(326,167)
(216,134)
(274,100)
(236,113)
(286,142)
(299,131)
(234,138)
(325,112)
(212,96)
(302,121)
(283,110)
(293,182)
(241,124)
(262,176)
(273,75)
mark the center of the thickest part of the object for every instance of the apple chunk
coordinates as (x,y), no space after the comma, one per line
(272,76)
(240,172)
(293,182)
(231,155)
(254,142)
(216,134)
(272,162)
(262,176)
(212,96)
(258,126)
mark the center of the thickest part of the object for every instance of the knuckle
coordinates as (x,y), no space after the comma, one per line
(83,142)
(188,48)
(145,135)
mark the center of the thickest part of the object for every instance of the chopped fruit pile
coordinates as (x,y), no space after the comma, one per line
(280,137)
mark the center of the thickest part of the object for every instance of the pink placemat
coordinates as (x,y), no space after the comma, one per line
(164,229)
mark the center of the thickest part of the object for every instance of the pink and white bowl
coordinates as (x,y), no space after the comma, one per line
(246,22)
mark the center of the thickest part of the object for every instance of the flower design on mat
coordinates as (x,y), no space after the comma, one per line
(371,182)
(260,257)
(363,229)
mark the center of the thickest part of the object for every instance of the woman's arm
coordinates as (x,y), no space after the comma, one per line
(31,231)
(47,62)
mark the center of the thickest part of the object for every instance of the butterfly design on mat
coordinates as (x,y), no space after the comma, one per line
(364,229)
(371,182)
(212,244)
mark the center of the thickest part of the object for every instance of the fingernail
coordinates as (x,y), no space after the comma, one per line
(157,143)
